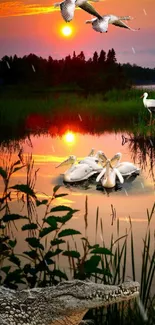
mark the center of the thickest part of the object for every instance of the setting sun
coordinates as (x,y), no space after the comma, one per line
(69,137)
(67,31)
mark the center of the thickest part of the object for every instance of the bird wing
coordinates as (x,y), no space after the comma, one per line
(151,103)
(90,9)
(101,174)
(120,177)
(120,23)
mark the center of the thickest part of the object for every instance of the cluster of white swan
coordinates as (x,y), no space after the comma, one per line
(108,170)
(100,23)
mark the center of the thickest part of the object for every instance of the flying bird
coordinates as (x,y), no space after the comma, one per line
(67,8)
(149,104)
(101,25)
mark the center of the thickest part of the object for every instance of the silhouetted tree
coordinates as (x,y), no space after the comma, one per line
(111,57)
(99,73)
(102,58)
(81,56)
(95,57)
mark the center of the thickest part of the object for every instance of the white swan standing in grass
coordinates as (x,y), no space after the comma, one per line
(149,104)
(67,8)
(82,170)
(101,24)
(109,173)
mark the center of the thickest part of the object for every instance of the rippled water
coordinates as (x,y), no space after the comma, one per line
(132,199)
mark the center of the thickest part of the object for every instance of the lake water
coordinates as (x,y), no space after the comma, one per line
(133,199)
(145,87)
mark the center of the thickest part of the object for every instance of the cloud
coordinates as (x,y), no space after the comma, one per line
(19,8)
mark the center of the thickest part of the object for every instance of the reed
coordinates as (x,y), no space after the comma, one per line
(50,240)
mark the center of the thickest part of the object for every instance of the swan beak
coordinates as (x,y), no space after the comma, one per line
(70,160)
(142,96)
(103,158)
(115,160)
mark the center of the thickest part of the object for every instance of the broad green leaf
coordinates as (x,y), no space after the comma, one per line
(55,189)
(14,259)
(25,189)
(29,269)
(12,243)
(17,168)
(53,253)
(49,261)
(103,271)
(101,250)
(6,269)
(60,195)
(38,203)
(74,254)
(45,231)
(57,242)
(94,246)
(32,254)
(91,264)
(17,163)
(59,274)
(14,276)
(30,226)
(51,221)
(61,208)
(34,242)
(3,173)
(67,217)
(68,232)
(41,266)
(12,217)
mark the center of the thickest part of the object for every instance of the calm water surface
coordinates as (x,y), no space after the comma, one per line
(133,199)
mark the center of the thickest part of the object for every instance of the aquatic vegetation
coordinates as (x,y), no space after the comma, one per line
(111,111)
(39,264)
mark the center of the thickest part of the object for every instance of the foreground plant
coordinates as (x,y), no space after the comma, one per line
(47,241)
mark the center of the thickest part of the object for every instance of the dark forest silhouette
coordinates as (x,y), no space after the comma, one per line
(99,73)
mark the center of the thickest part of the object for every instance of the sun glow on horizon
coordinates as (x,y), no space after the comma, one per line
(66,31)
(69,137)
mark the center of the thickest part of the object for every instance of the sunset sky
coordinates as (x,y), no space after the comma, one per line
(34,26)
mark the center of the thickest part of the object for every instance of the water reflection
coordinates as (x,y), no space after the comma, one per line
(126,187)
(133,199)
(142,151)
(57,125)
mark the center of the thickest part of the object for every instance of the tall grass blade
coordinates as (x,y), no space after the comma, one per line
(96,226)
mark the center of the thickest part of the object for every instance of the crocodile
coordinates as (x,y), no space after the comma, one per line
(63,304)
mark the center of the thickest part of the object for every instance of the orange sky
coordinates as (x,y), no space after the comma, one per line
(33,26)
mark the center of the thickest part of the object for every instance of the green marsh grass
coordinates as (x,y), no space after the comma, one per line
(121,110)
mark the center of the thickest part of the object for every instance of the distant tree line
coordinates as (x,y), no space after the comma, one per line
(99,73)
